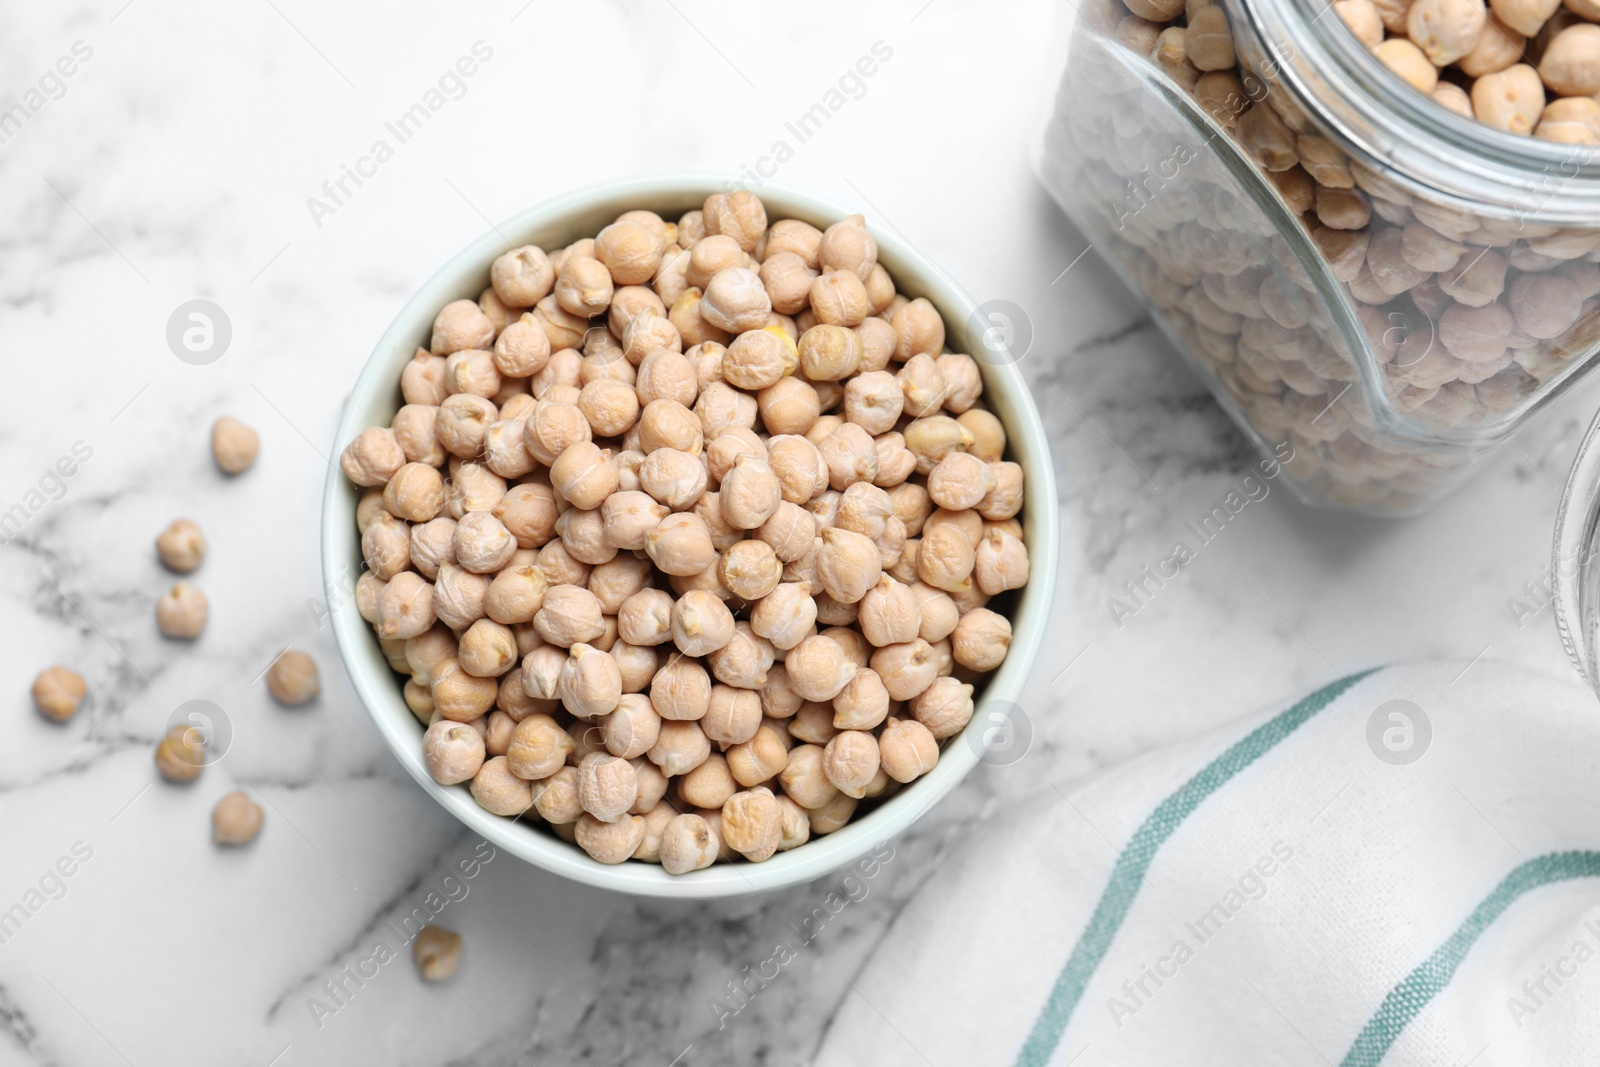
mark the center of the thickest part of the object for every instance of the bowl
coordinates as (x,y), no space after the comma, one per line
(376,397)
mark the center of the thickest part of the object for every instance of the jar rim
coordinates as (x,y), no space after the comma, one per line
(1416,140)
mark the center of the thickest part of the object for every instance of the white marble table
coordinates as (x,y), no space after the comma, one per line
(177,162)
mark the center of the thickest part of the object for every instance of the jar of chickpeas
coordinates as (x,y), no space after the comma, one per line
(1373,226)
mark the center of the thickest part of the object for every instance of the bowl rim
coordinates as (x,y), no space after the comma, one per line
(376,686)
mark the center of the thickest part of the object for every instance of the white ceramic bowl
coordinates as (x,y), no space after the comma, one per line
(376,397)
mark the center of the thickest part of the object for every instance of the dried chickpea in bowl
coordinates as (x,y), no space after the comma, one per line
(633,643)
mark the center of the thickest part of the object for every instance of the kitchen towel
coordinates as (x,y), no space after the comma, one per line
(1402,867)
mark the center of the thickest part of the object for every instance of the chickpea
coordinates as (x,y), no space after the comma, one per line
(569,615)
(908,749)
(752,824)
(459,695)
(607,786)
(182,611)
(787,280)
(681,545)
(667,375)
(553,428)
(181,546)
(1445,30)
(630,251)
(735,300)
(645,618)
(632,728)
(1571,120)
(555,796)
(460,324)
(57,693)
(668,424)
(453,751)
(848,565)
(584,475)
(481,542)
(701,623)
(515,594)
(708,785)
(472,487)
(653,785)
(180,754)
(539,749)
(980,639)
(750,569)
(804,779)
(610,842)
(590,683)
(292,677)
(236,819)
(369,588)
(847,246)
(501,724)
(862,704)
(681,747)
(850,455)
(414,428)
(681,690)
(850,761)
(750,493)
(1510,99)
(758,358)
(945,707)
(818,668)
(786,615)
(487,650)
(688,844)
(422,380)
(415,493)
(499,791)
(791,532)
(1498,47)
(838,298)
(789,406)
(673,477)
(732,716)
(522,277)
(799,467)
(234,445)
(721,405)
(1570,64)
(933,438)
(757,760)
(906,669)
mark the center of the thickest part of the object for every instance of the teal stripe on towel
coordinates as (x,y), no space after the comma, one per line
(1423,984)
(1129,872)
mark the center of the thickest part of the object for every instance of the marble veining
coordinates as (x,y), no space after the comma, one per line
(178,162)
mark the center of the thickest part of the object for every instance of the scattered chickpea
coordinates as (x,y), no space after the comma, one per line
(181,546)
(58,692)
(292,678)
(436,953)
(181,611)
(236,819)
(181,754)
(234,445)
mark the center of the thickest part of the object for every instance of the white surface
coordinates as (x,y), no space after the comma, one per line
(187,147)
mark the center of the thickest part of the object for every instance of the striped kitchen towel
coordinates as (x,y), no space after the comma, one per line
(1401,868)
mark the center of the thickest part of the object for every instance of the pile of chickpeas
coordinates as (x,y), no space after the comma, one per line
(684,535)
(1522,66)
(1468,314)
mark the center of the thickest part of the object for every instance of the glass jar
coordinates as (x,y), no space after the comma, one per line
(1377,289)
